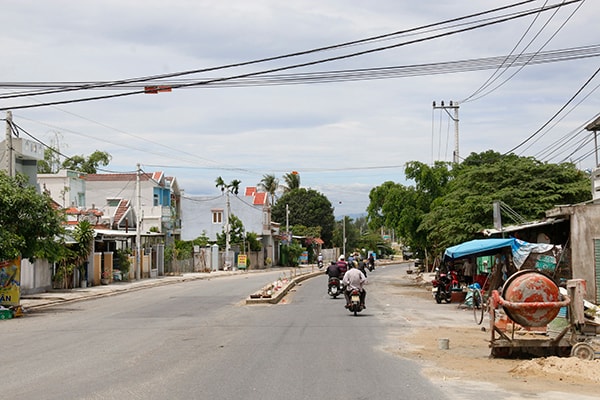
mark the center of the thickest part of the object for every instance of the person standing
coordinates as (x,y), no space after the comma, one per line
(468,271)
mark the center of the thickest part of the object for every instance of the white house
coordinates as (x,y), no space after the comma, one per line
(207,215)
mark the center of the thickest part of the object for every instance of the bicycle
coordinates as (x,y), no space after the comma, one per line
(479,308)
(480,303)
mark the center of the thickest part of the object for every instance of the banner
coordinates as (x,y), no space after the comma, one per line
(10,282)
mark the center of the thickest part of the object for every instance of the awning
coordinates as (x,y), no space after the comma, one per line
(519,248)
(476,246)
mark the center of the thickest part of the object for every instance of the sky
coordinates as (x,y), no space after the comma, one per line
(525,81)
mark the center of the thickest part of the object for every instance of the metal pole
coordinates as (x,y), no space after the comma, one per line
(344,233)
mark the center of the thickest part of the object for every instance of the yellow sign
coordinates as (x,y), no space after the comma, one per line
(10,282)
(242,261)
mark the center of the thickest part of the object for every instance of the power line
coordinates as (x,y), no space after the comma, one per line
(304,64)
(556,114)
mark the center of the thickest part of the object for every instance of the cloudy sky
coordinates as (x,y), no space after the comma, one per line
(250,96)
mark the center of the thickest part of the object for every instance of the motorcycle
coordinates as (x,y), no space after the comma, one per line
(445,282)
(320,264)
(334,287)
(355,305)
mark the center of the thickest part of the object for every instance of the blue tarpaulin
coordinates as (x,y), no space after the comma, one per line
(519,248)
(477,246)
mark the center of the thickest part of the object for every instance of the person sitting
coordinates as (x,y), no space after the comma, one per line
(354,279)
(342,265)
(333,270)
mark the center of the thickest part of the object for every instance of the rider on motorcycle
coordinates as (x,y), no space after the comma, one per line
(342,265)
(333,270)
(354,279)
(320,260)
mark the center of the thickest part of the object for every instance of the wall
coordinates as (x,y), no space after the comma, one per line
(36,277)
(584,229)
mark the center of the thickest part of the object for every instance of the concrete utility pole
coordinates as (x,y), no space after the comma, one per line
(138,225)
(452,106)
(228,262)
(8,154)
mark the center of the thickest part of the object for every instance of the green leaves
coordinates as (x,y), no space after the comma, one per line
(28,222)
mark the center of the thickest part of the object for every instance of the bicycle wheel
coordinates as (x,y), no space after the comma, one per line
(478,306)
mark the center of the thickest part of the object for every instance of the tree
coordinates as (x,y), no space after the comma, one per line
(402,208)
(232,187)
(528,186)
(306,207)
(87,165)
(28,222)
(292,181)
(270,184)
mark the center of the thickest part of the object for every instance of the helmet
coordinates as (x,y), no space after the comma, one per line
(341,257)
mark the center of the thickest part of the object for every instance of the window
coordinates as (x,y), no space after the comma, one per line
(217,216)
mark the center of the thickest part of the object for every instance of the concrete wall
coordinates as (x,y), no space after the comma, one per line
(584,230)
(36,277)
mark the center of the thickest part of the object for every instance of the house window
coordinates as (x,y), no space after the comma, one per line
(217,216)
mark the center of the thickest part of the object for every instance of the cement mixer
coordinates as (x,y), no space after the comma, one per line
(530,301)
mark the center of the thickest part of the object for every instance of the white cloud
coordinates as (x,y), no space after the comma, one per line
(334,134)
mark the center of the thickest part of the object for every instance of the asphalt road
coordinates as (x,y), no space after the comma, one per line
(199,340)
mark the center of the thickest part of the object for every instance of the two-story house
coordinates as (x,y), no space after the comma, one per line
(207,215)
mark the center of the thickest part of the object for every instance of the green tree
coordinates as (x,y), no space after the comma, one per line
(402,208)
(87,165)
(232,187)
(528,186)
(236,232)
(306,207)
(292,181)
(28,222)
(270,184)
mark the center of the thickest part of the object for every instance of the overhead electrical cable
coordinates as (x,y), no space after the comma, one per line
(401,71)
(555,115)
(304,64)
(481,95)
(296,54)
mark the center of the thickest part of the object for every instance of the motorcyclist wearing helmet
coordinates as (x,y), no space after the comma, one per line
(342,265)
(320,260)
(354,279)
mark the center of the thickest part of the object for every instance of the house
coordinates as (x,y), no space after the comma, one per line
(207,215)
(117,196)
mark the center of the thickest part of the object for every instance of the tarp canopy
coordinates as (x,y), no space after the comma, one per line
(476,246)
(519,248)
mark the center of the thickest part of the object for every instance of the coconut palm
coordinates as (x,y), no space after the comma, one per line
(269,184)
(292,181)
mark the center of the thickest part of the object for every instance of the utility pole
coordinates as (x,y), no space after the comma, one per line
(451,106)
(138,225)
(227,233)
(10,166)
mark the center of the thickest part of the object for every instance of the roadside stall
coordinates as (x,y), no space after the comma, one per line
(523,300)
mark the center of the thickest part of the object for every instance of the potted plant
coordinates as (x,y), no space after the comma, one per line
(105,278)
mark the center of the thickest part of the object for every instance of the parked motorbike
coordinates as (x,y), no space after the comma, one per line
(445,282)
(334,287)
(355,305)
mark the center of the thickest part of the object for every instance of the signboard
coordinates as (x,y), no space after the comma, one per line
(303,259)
(10,282)
(242,261)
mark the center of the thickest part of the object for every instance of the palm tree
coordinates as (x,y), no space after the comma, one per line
(269,184)
(234,186)
(292,181)
(220,183)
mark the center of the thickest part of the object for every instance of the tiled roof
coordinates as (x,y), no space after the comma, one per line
(250,190)
(122,209)
(260,198)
